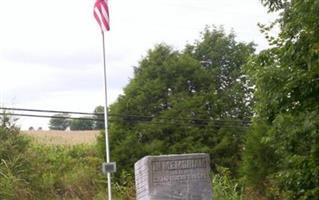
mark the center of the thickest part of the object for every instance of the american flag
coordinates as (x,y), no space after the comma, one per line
(101,14)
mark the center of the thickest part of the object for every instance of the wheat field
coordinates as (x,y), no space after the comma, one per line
(62,137)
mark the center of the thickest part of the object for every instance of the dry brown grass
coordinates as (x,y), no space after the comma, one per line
(63,137)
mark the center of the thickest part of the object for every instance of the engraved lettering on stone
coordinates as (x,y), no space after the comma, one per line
(173,177)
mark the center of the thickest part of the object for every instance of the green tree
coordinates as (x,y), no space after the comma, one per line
(59,122)
(84,123)
(99,118)
(182,102)
(287,109)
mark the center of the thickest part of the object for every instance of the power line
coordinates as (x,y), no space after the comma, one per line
(135,121)
(193,124)
(182,119)
(140,117)
(49,111)
(55,117)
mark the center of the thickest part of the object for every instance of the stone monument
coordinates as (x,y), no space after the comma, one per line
(173,177)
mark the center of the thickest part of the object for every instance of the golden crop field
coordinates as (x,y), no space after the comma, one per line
(63,137)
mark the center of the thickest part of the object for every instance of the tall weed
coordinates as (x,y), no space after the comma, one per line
(226,188)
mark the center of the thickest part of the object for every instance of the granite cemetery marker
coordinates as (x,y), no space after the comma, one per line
(173,177)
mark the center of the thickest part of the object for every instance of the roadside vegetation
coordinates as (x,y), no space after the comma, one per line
(34,171)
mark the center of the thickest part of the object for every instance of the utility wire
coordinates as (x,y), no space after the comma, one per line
(55,117)
(136,121)
(216,124)
(193,124)
(182,119)
(49,111)
(122,116)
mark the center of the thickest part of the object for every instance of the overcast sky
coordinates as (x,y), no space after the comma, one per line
(51,50)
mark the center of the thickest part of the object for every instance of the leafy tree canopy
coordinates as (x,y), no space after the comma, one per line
(82,124)
(99,118)
(59,122)
(185,101)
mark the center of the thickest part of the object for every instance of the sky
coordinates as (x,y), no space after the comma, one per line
(51,50)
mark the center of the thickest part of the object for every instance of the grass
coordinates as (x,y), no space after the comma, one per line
(62,137)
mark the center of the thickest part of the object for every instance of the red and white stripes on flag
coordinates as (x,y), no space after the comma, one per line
(101,14)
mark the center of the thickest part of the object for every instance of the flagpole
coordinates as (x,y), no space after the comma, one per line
(107,148)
